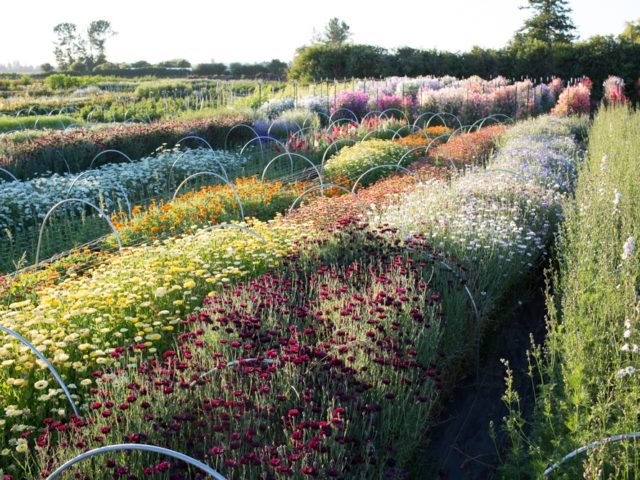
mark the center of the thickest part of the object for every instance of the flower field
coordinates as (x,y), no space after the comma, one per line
(316,344)
(304,299)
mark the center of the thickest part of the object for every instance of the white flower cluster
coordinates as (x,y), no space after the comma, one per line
(27,202)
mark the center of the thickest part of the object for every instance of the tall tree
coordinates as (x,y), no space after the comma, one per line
(97,34)
(70,47)
(66,44)
(551,23)
(336,32)
(631,32)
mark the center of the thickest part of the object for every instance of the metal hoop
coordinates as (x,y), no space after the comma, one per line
(108,151)
(391,165)
(313,165)
(92,172)
(136,446)
(240,125)
(334,144)
(51,368)
(66,200)
(321,188)
(170,176)
(7,172)
(344,109)
(592,445)
(404,115)
(213,174)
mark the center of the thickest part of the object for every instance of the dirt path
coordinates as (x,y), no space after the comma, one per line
(459,446)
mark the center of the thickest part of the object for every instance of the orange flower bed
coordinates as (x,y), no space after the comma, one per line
(468,148)
(210,204)
(423,137)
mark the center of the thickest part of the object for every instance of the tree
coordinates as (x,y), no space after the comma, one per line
(550,23)
(336,32)
(631,32)
(70,47)
(97,34)
(46,67)
(66,44)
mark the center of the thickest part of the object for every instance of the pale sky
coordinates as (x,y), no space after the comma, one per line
(251,31)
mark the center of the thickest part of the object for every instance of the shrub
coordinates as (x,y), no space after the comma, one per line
(353,161)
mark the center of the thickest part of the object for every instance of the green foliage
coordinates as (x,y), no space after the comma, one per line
(340,61)
(589,386)
(336,32)
(175,63)
(210,69)
(550,23)
(8,124)
(353,161)
(631,32)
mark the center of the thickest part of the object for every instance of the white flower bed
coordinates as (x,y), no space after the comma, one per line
(27,202)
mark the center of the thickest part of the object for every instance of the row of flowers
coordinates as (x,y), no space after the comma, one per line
(110,186)
(32,153)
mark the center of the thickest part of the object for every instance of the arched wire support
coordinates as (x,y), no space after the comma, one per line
(136,446)
(64,160)
(591,446)
(411,129)
(266,139)
(213,174)
(104,152)
(430,116)
(337,122)
(394,110)
(131,120)
(291,155)
(194,137)
(9,174)
(321,188)
(312,116)
(344,109)
(49,365)
(240,125)
(67,200)
(372,113)
(334,144)
(323,117)
(119,186)
(271,125)
(504,170)
(388,165)
(472,300)
(218,164)
(372,132)
(478,124)
(464,129)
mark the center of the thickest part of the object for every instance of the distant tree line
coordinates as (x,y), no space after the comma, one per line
(597,57)
(543,47)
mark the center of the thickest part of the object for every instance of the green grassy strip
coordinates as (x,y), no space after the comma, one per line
(589,389)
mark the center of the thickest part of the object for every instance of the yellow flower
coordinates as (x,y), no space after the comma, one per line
(189,284)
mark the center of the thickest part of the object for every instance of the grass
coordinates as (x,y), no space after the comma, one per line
(56,122)
(588,386)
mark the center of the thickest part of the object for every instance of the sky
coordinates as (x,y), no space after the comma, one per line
(251,31)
